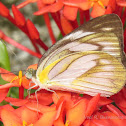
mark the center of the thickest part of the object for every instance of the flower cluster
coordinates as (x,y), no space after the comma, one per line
(59,108)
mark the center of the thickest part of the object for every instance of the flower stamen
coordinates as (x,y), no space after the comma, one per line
(19,76)
(67,123)
(98,1)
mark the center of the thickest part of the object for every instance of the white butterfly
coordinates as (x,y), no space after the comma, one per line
(88,60)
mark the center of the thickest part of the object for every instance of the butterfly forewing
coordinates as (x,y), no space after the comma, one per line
(88,72)
(102,34)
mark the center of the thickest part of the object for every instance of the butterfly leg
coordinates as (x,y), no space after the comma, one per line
(53,92)
(37,97)
(31,88)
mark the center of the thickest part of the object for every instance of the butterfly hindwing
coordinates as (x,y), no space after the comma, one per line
(88,72)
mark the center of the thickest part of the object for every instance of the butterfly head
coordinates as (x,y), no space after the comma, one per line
(30,73)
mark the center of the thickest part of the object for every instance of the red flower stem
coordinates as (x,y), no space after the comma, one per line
(11,19)
(17,45)
(87,15)
(118,10)
(74,24)
(23,4)
(34,44)
(81,16)
(21,92)
(41,43)
(125,40)
(23,29)
(124,17)
(56,19)
(48,24)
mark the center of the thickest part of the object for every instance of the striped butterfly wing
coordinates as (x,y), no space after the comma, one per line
(88,72)
(100,34)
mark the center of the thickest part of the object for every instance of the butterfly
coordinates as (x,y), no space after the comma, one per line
(89,60)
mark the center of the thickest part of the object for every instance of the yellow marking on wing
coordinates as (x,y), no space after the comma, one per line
(43,76)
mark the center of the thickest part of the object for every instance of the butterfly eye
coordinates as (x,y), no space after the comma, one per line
(30,73)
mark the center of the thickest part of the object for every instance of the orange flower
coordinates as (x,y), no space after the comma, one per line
(60,109)
(15,81)
(70,7)
(18,117)
(98,7)
(56,107)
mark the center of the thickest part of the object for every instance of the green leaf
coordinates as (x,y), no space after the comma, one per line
(59,36)
(4,59)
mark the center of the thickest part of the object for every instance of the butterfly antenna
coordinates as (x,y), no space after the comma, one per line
(12,72)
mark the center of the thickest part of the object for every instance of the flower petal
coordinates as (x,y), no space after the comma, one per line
(4,11)
(97,10)
(70,12)
(3,94)
(46,119)
(51,8)
(7,107)
(104,2)
(104,101)
(85,5)
(123,109)
(9,85)
(48,1)
(59,120)
(44,97)
(100,120)
(115,110)
(121,3)
(16,102)
(18,16)
(7,75)
(92,105)
(40,108)
(9,118)
(56,96)
(29,116)
(33,66)
(26,83)
(64,23)
(115,120)
(76,115)
(119,99)
(111,7)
